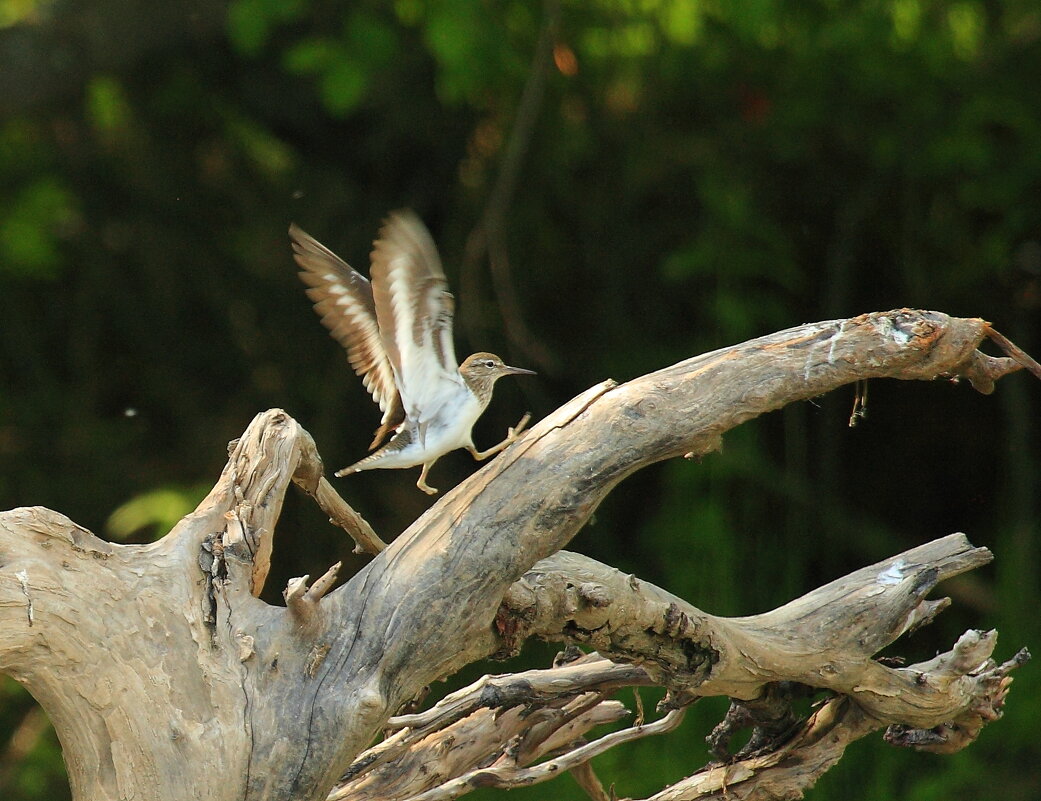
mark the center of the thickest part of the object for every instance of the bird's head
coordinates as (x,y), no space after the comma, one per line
(487,368)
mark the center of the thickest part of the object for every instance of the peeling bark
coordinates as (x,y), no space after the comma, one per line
(167,678)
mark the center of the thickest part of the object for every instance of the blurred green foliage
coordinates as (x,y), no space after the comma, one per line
(699,172)
(151,514)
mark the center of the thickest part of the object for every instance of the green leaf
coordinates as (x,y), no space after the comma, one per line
(369,40)
(681,21)
(158,509)
(311,56)
(250,22)
(343,86)
(29,228)
(248,26)
(107,105)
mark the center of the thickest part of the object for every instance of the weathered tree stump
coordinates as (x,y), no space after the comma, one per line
(167,678)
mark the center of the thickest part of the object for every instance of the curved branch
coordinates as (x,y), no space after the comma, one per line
(825,639)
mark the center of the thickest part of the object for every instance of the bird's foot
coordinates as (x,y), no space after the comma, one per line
(422,483)
(513,433)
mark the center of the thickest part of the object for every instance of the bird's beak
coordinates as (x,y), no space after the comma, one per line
(519,371)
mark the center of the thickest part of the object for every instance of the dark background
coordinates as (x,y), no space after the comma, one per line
(682,176)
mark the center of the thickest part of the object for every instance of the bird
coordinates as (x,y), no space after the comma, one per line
(397,331)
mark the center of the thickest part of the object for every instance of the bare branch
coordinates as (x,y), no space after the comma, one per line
(993,684)
(842,625)
(323,584)
(20,743)
(1021,357)
(489,235)
(587,779)
(343,515)
(302,601)
(529,687)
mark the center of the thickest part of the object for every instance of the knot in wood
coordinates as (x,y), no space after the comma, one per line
(503,697)
(595,595)
(676,621)
(643,407)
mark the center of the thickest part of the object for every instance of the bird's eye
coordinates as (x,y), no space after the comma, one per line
(489,363)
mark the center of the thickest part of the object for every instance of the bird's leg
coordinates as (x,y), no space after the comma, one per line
(511,436)
(422,483)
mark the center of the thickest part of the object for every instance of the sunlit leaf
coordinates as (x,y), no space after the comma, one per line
(681,21)
(368,39)
(343,86)
(248,25)
(261,146)
(13,12)
(30,228)
(312,55)
(155,511)
(250,22)
(967,24)
(107,106)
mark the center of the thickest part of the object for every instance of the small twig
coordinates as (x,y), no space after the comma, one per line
(21,742)
(296,589)
(859,411)
(533,742)
(1015,352)
(302,601)
(982,371)
(488,235)
(515,688)
(587,779)
(925,613)
(322,585)
(574,726)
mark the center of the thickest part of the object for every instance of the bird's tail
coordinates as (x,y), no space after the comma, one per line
(357,467)
(386,457)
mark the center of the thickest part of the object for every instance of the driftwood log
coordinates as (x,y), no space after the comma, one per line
(167,678)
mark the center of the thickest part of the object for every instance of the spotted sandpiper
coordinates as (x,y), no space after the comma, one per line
(398,335)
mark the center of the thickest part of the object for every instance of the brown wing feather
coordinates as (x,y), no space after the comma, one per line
(343,299)
(414,310)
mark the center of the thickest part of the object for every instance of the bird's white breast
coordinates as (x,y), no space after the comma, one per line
(446,429)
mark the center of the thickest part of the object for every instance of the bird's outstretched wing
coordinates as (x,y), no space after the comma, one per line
(414,310)
(343,298)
